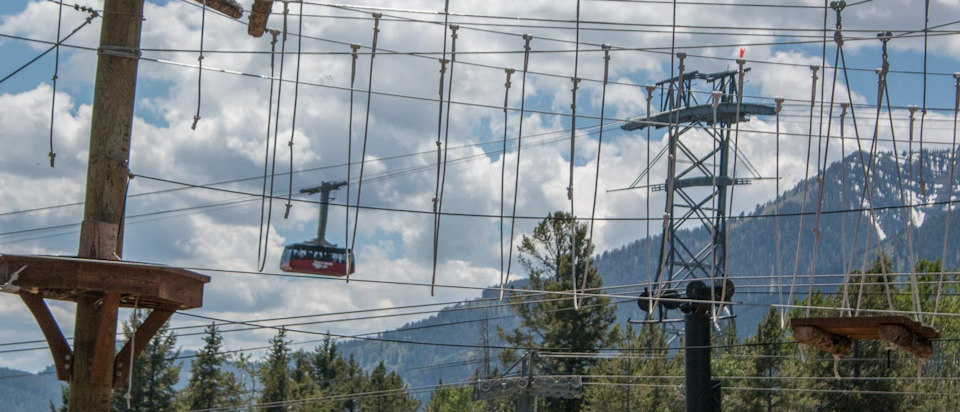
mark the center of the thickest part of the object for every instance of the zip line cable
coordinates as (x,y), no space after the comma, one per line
(56,45)
(293,122)
(366,130)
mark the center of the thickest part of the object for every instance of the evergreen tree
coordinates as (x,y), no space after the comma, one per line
(154,374)
(457,399)
(275,373)
(304,387)
(555,323)
(210,386)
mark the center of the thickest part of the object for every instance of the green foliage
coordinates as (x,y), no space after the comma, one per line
(155,373)
(555,323)
(275,373)
(210,386)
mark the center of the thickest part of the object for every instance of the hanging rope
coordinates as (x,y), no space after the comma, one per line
(869,179)
(264,237)
(53,95)
(776,207)
(650,89)
(516,180)
(133,345)
(503,162)
(673,135)
(822,170)
(446,140)
(436,189)
(733,187)
(923,113)
(845,263)
(366,130)
(573,155)
(716,96)
(596,183)
(806,178)
(354,47)
(293,122)
(203,26)
(907,213)
(950,183)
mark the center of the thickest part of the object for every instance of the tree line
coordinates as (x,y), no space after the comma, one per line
(623,369)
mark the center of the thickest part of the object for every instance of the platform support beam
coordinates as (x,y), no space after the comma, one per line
(59,348)
(107,176)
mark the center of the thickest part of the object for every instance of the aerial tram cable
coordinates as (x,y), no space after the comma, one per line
(346,223)
(573,155)
(436,190)
(516,178)
(446,141)
(596,182)
(806,178)
(261,240)
(203,26)
(53,94)
(503,161)
(946,232)
(366,130)
(293,122)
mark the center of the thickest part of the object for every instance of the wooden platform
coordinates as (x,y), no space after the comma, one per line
(836,335)
(112,284)
(865,327)
(60,278)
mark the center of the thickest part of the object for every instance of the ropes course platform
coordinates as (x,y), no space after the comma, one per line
(836,335)
(111,284)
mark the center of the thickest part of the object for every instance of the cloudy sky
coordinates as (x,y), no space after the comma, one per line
(205,228)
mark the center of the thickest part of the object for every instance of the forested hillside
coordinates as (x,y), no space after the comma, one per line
(847,242)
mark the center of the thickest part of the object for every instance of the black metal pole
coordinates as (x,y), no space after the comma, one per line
(697,360)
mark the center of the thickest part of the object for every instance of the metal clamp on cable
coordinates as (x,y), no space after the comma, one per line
(120,51)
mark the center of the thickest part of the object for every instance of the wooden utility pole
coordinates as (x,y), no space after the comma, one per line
(107,175)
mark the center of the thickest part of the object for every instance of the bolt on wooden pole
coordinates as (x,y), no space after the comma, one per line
(107,175)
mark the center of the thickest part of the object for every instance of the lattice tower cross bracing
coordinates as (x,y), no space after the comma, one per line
(699,179)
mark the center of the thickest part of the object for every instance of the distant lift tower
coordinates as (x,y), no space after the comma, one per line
(689,271)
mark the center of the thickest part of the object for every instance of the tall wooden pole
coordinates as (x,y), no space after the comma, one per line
(107,175)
